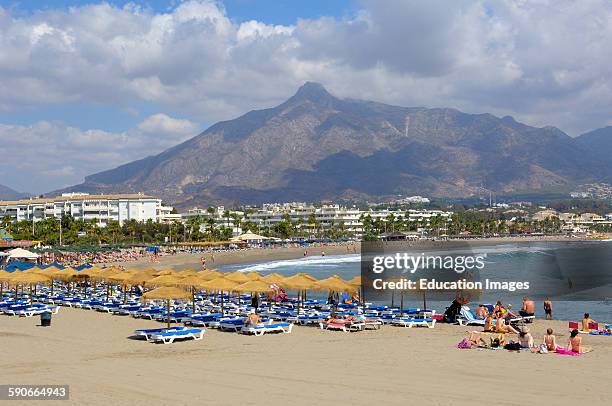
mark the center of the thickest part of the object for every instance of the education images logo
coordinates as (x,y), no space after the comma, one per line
(459,272)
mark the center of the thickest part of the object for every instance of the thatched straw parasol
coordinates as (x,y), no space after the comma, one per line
(27,279)
(163,272)
(274,278)
(166,293)
(193,281)
(164,280)
(222,284)
(254,276)
(237,277)
(210,274)
(300,282)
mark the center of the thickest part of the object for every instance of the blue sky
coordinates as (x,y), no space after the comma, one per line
(269,11)
(86,86)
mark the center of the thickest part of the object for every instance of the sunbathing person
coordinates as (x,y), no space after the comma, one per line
(499,307)
(510,314)
(575,343)
(252,319)
(357,318)
(482,312)
(525,338)
(488,326)
(502,327)
(550,341)
(499,341)
(586,322)
(476,339)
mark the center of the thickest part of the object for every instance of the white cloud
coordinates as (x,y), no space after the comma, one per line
(50,155)
(546,62)
(161,123)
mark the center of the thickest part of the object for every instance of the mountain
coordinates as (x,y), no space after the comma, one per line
(598,142)
(316,146)
(6,193)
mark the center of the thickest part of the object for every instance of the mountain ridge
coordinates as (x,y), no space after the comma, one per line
(316,146)
(6,193)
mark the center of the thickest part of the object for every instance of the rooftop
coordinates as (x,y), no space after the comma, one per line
(74,197)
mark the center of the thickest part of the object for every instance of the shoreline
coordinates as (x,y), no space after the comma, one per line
(186,260)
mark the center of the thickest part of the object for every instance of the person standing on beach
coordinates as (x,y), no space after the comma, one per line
(528,308)
(548,309)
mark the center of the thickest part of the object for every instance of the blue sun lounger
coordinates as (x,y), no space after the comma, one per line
(147,333)
(168,336)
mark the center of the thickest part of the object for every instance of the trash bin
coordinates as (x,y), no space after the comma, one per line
(45,319)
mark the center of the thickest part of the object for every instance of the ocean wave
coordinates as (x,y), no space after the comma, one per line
(307,261)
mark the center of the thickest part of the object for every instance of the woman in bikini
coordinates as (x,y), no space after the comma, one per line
(575,343)
(502,327)
(550,341)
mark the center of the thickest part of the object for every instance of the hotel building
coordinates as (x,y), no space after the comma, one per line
(97,208)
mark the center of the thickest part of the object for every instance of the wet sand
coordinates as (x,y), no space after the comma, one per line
(92,352)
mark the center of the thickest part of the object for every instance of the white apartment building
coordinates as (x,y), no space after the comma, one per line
(301,213)
(98,208)
(325,216)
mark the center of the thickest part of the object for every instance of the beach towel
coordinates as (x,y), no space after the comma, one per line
(600,333)
(565,351)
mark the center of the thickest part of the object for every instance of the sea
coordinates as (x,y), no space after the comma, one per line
(547,265)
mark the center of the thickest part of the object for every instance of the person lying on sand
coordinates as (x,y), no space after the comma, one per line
(575,343)
(498,341)
(586,322)
(476,339)
(502,327)
(550,341)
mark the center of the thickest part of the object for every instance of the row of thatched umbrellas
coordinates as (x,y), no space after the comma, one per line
(171,284)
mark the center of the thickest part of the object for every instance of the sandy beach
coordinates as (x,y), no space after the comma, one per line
(92,352)
(183,260)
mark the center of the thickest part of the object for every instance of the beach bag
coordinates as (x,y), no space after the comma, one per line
(512,346)
(543,349)
(464,344)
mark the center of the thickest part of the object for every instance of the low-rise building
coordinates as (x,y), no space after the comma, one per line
(95,208)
